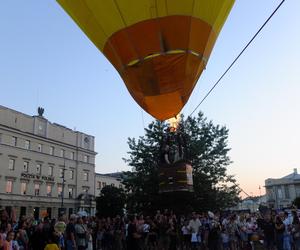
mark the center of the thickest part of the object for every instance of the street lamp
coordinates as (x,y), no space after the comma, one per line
(252,197)
(63,187)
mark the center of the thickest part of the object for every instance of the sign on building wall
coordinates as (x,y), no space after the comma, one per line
(37,177)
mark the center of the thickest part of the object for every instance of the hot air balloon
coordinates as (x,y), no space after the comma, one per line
(159,47)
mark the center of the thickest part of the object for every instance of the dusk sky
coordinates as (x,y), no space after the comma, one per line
(46,60)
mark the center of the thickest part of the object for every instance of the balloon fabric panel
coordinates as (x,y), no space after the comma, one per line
(159,47)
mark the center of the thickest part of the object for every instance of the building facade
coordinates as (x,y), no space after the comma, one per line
(251,204)
(103,180)
(281,192)
(45,167)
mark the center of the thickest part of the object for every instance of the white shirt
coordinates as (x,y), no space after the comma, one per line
(194,225)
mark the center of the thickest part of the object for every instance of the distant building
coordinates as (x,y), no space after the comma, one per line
(102,180)
(282,191)
(41,163)
(250,203)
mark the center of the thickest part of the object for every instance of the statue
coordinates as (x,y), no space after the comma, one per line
(40,111)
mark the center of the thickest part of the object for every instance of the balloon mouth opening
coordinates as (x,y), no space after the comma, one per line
(174,123)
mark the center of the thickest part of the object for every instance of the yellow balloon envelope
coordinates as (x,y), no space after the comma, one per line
(159,47)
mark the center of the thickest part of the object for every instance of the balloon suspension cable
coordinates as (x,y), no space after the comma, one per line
(234,61)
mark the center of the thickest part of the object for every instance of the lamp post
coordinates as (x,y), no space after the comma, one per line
(252,197)
(63,187)
(259,194)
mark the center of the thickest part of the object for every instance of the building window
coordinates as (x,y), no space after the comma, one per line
(71,174)
(38,168)
(40,146)
(86,158)
(279,191)
(51,152)
(49,190)
(99,184)
(9,184)
(23,188)
(85,176)
(103,184)
(113,184)
(71,192)
(61,173)
(36,189)
(50,170)
(11,164)
(14,141)
(62,153)
(25,166)
(59,191)
(286,191)
(72,155)
(27,144)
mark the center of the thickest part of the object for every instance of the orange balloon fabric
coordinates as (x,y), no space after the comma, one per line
(159,47)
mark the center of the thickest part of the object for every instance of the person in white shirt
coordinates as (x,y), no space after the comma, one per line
(194,224)
(287,237)
(194,227)
(186,235)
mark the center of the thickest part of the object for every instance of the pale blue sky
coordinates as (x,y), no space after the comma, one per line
(45,59)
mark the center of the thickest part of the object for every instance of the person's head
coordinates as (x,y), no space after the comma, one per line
(72,219)
(46,220)
(166,148)
(23,225)
(294,213)
(53,221)
(18,235)
(286,214)
(268,217)
(8,227)
(80,220)
(194,216)
(10,236)
(278,219)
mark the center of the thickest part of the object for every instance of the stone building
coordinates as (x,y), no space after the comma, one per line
(102,180)
(282,191)
(45,167)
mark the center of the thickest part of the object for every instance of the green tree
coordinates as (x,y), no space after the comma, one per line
(207,150)
(111,201)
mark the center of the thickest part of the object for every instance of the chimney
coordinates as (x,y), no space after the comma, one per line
(295,171)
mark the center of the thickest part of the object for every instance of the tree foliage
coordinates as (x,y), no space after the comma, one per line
(207,149)
(111,201)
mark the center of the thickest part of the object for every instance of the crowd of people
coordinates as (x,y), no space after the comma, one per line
(163,231)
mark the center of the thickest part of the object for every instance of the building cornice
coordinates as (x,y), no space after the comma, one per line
(45,139)
(42,153)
